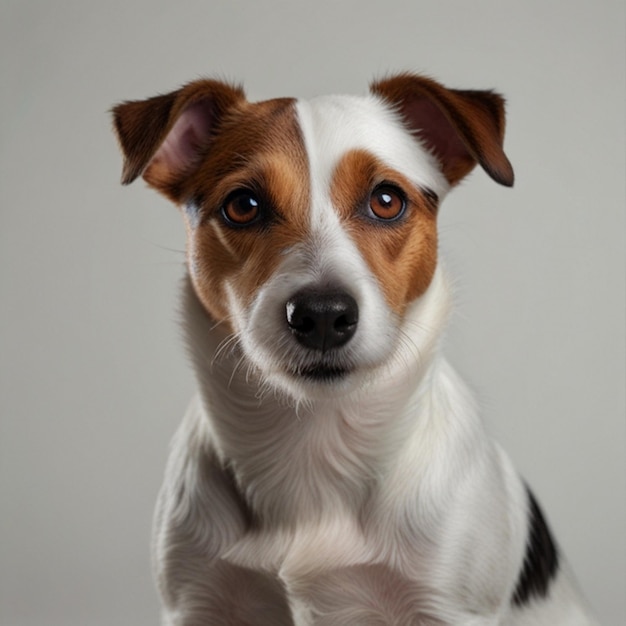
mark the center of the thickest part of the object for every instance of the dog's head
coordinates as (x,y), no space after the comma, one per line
(312,224)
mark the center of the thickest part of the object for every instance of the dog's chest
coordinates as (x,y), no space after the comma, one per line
(320,489)
(296,468)
(371,570)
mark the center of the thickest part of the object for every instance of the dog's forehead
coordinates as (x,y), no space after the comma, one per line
(334,126)
(302,142)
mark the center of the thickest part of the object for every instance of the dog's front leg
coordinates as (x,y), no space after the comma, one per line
(199,516)
(377,596)
(373,594)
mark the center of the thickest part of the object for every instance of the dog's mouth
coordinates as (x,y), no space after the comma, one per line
(322,373)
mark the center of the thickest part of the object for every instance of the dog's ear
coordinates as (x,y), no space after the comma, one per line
(461,128)
(164,137)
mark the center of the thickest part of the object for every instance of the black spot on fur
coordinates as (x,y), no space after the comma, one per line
(541,561)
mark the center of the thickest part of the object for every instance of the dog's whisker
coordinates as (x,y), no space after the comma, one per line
(160,246)
(221,322)
(226,347)
(240,362)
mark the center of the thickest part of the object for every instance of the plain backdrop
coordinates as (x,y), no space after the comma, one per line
(93,375)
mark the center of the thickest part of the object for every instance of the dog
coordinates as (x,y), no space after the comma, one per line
(333,469)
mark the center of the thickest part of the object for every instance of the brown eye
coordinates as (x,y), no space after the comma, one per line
(241,208)
(387,202)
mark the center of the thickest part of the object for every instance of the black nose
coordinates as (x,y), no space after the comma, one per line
(322,320)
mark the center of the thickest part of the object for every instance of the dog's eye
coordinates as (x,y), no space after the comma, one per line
(241,208)
(387,202)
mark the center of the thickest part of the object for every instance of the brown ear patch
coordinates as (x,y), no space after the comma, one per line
(143,126)
(461,127)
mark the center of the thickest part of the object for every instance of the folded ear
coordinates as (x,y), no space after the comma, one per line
(162,138)
(461,128)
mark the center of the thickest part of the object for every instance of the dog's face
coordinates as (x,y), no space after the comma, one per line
(312,224)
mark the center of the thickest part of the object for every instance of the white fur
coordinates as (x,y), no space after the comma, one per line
(375,500)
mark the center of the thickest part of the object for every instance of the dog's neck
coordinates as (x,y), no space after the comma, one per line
(308,459)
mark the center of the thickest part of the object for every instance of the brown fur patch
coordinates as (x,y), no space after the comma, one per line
(259,147)
(402,253)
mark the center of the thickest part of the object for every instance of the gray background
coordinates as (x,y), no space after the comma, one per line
(93,377)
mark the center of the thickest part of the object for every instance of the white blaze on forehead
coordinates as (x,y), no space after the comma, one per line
(334,125)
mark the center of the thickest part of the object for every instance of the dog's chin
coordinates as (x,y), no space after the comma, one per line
(320,381)
(310,382)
